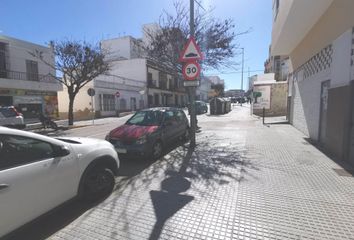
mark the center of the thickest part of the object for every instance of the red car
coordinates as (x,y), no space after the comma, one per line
(149,130)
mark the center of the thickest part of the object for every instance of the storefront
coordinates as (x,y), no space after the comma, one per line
(30,103)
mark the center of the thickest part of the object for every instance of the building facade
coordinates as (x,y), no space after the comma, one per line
(235,93)
(203,91)
(134,82)
(25,81)
(318,37)
(279,65)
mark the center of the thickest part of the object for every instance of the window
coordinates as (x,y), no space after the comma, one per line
(132,104)
(3,60)
(156,99)
(122,104)
(162,80)
(150,100)
(109,103)
(17,151)
(168,116)
(151,82)
(180,116)
(150,76)
(32,70)
(146,118)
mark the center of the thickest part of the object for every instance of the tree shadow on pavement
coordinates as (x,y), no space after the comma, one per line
(169,184)
(208,163)
(170,199)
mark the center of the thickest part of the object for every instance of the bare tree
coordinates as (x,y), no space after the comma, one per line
(215,37)
(79,63)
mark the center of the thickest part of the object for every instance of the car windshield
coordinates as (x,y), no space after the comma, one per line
(146,118)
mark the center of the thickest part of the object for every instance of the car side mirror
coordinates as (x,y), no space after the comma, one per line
(61,151)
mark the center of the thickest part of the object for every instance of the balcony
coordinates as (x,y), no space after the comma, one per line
(27,76)
(294,19)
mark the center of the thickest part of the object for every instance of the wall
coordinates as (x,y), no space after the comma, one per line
(334,22)
(155,75)
(117,48)
(127,76)
(278,100)
(81,103)
(338,121)
(18,54)
(330,63)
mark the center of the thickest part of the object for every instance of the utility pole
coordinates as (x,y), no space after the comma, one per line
(243,50)
(192,90)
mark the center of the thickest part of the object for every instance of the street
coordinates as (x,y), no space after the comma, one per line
(244,180)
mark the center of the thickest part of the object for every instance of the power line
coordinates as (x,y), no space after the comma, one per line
(235,72)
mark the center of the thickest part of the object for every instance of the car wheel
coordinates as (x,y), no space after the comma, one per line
(156,150)
(98,183)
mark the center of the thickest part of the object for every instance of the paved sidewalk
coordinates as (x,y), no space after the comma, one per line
(243,181)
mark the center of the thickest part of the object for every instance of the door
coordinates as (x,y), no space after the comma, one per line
(323,112)
(133,104)
(32,180)
(351,146)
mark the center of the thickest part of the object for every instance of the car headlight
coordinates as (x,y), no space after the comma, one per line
(141,140)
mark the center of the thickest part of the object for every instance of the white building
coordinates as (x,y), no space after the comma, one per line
(279,65)
(25,81)
(267,78)
(139,82)
(318,36)
(203,91)
(215,80)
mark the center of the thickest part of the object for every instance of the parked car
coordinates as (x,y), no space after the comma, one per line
(201,107)
(241,100)
(10,117)
(38,173)
(148,131)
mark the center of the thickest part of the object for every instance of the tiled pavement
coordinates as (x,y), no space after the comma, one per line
(243,181)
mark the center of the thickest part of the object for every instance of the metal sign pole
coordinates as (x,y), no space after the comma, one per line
(192,89)
(93,113)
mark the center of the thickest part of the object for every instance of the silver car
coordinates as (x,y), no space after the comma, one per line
(9,117)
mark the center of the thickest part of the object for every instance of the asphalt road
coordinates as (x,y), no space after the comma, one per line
(87,129)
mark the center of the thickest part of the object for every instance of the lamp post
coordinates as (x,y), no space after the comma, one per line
(243,53)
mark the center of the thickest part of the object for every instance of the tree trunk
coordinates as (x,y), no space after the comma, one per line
(71,109)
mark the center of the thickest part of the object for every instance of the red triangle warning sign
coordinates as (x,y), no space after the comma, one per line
(191,52)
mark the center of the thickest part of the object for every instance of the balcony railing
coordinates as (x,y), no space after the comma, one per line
(27,76)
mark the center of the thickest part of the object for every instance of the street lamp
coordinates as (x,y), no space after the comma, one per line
(243,53)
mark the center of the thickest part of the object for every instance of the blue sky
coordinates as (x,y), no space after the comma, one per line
(40,21)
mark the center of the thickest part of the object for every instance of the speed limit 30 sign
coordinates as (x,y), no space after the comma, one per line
(191,70)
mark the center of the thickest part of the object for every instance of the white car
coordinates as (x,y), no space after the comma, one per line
(38,173)
(11,118)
